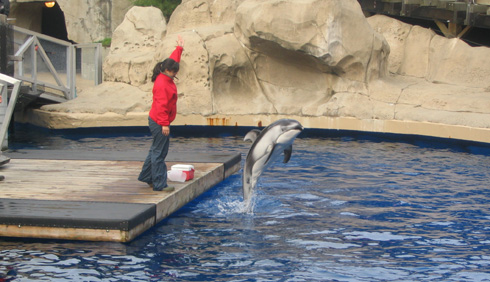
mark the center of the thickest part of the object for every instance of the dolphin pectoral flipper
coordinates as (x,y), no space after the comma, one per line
(252,135)
(287,153)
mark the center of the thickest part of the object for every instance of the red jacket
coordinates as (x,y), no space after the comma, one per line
(164,107)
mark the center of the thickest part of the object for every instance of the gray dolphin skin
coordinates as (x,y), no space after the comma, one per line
(267,146)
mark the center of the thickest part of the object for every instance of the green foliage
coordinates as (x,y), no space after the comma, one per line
(106,42)
(167,6)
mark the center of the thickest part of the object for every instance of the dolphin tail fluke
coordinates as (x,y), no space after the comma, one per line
(287,153)
(252,135)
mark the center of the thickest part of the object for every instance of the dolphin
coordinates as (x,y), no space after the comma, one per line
(267,146)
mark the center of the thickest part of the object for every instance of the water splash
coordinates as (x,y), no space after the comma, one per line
(249,205)
(227,206)
(226,200)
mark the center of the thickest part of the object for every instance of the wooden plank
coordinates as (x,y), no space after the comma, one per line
(413,2)
(84,180)
(180,197)
(429,3)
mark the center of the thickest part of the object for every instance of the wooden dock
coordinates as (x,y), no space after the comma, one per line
(95,195)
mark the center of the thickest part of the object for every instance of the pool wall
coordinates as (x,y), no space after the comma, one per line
(56,120)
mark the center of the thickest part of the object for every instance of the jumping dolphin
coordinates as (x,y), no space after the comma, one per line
(267,146)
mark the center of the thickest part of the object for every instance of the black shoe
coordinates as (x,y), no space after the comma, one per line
(2,177)
(166,189)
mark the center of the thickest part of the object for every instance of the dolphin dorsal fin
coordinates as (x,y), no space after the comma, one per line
(252,135)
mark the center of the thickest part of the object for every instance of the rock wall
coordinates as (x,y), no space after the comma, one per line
(419,52)
(86,20)
(134,44)
(257,59)
(92,20)
(271,58)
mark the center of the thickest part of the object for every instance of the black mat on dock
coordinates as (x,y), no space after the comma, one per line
(70,214)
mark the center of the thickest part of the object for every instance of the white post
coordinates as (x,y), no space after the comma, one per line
(4,79)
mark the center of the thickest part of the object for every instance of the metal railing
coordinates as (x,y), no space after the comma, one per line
(7,105)
(54,65)
(33,65)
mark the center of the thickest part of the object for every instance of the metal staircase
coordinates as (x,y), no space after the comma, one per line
(42,69)
(49,68)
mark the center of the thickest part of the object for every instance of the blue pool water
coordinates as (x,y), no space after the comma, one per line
(345,208)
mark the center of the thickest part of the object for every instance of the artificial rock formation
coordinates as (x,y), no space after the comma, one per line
(227,64)
(434,79)
(86,20)
(134,44)
(92,20)
(330,67)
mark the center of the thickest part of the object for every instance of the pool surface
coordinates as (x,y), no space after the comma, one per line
(345,208)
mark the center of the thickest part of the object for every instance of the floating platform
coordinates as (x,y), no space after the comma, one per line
(95,196)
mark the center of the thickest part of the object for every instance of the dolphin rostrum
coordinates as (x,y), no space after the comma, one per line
(267,146)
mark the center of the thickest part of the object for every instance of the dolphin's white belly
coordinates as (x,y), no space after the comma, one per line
(265,161)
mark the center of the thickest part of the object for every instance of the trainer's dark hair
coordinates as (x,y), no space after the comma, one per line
(167,64)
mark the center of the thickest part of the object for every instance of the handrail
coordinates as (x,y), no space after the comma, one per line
(42,36)
(32,48)
(97,59)
(33,44)
(56,58)
(8,104)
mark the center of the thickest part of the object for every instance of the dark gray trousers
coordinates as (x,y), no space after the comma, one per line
(155,169)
